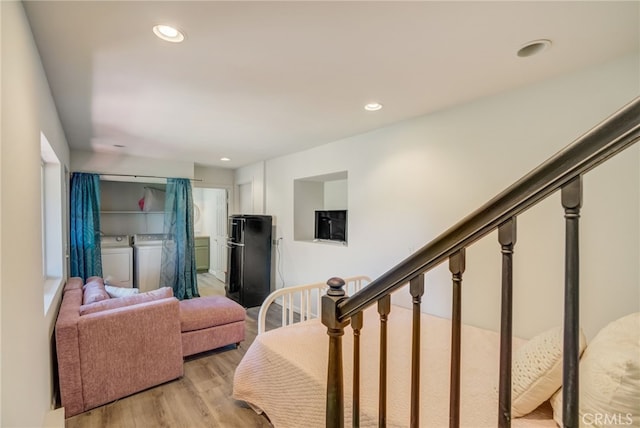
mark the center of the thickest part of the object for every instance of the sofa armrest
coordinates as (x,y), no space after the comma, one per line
(67,351)
(128,349)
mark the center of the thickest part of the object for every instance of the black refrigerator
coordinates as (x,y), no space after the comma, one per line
(248,279)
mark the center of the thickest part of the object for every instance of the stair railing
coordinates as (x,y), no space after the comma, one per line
(563,172)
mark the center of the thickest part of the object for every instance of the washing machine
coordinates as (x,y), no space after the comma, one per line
(147,250)
(117,260)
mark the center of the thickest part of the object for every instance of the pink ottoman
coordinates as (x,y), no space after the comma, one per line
(210,322)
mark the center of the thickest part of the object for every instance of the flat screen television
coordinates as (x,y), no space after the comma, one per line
(331,225)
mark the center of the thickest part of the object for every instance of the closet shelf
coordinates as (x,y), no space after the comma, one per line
(131,212)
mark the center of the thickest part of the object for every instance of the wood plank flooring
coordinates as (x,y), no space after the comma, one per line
(209,285)
(201,398)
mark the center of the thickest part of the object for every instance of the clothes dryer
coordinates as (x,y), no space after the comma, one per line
(117,260)
(148,259)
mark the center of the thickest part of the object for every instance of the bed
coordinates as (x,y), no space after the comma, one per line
(284,372)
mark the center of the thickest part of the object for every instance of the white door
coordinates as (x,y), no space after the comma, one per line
(219,241)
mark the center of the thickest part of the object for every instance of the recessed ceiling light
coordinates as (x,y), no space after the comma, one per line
(533,48)
(225,159)
(168,33)
(373,106)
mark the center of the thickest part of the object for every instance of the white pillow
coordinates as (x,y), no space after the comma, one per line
(120,291)
(609,377)
(537,371)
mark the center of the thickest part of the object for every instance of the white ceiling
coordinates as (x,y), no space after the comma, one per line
(256,80)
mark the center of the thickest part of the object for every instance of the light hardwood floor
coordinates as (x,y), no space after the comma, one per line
(209,285)
(201,398)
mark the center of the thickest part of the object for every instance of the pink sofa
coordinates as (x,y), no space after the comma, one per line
(110,348)
(210,322)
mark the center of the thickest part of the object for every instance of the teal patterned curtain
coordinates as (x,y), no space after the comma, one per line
(178,250)
(86,257)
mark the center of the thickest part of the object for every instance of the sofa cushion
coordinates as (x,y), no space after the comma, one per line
(120,302)
(94,291)
(209,311)
(74,283)
(196,341)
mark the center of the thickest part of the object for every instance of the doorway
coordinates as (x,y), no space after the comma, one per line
(210,220)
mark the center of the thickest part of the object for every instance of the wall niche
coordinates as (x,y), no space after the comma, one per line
(318,193)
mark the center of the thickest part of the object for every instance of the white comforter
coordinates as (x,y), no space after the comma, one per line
(284,374)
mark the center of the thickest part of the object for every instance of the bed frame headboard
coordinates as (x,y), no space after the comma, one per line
(563,172)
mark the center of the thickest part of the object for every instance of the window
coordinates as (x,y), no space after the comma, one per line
(51,221)
(43,216)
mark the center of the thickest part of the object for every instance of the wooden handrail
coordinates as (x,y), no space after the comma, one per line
(614,134)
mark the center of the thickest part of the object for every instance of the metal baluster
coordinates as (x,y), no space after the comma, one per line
(456,266)
(416,288)
(356,325)
(384,307)
(335,331)
(572,202)
(507,240)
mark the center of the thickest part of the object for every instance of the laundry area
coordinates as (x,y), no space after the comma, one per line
(132,232)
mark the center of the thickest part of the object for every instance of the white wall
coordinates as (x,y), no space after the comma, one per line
(106,163)
(251,178)
(1,139)
(336,195)
(411,181)
(308,197)
(213,177)
(27,110)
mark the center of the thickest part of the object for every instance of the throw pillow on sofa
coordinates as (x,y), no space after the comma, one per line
(116,292)
(134,299)
(94,291)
